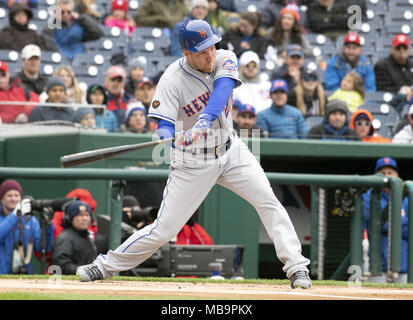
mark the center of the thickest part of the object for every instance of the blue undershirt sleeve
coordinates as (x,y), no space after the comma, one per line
(165,129)
(218,99)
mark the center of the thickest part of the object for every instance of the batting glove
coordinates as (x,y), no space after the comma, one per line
(202,128)
(23,207)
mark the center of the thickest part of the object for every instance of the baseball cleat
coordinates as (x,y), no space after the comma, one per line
(300,279)
(89,272)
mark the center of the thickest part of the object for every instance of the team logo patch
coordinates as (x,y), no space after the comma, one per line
(229,64)
(82,208)
(202,33)
(155,104)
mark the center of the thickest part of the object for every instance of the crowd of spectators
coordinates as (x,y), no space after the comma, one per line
(290,90)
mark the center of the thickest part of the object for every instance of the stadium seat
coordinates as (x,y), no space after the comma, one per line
(154,47)
(313,121)
(12,59)
(325,45)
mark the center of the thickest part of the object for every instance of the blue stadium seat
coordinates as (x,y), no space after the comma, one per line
(313,121)
(325,44)
(12,59)
(155,47)
(384,126)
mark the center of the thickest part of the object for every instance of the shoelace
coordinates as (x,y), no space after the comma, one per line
(94,273)
(301,275)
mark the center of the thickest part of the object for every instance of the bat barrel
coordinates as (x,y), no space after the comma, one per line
(105,153)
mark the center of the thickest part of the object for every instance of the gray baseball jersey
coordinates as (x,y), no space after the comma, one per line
(183,92)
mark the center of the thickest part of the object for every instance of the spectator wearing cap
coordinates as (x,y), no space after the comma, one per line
(136,72)
(328,17)
(161,13)
(292,67)
(216,17)
(350,58)
(120,18)
(247,120)
(405,135)
(254,90)
(135,119)
(351,91)
(335,125)
(285,31)
(144,93)
(17,34)
(246,35)
(388,167)
(74,246)
(19,230)
(14,91)
(362,122)
(282,120)
(56,92)
(395,73)
(85,117)
(198,10)
(105,119)
(30,76)
(117,97)
(74,29)
(308,95)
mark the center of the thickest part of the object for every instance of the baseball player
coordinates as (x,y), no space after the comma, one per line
(193,103)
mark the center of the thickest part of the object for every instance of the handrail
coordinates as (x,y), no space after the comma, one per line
(326,180)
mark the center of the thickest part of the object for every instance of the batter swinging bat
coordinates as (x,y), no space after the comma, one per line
(75,159)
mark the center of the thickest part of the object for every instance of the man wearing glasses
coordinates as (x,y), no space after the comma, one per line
(361,122)
(395,72)
(118,98)
(72,29)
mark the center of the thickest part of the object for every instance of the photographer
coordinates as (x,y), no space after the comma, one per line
(74,246)
(20,232)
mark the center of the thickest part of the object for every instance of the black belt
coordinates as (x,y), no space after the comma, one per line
(214,150)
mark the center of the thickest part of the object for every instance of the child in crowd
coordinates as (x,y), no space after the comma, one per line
(86,118)
(96,94)
(351,91)
(119,17)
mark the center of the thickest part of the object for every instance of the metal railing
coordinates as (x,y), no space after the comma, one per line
(314,180)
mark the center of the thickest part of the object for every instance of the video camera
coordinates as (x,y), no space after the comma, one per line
(47,207)
(139,218)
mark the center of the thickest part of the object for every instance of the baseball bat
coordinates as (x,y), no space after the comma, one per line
(75,159)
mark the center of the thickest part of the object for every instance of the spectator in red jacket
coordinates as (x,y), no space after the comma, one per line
(14,91)
(117,98)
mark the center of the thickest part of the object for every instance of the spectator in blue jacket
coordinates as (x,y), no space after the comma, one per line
(105,119)
(350,58)
(281,120)
(74,30)
(388,167)
(199,10)
(20,232)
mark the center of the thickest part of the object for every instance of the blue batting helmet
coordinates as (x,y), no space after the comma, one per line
(197,35)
